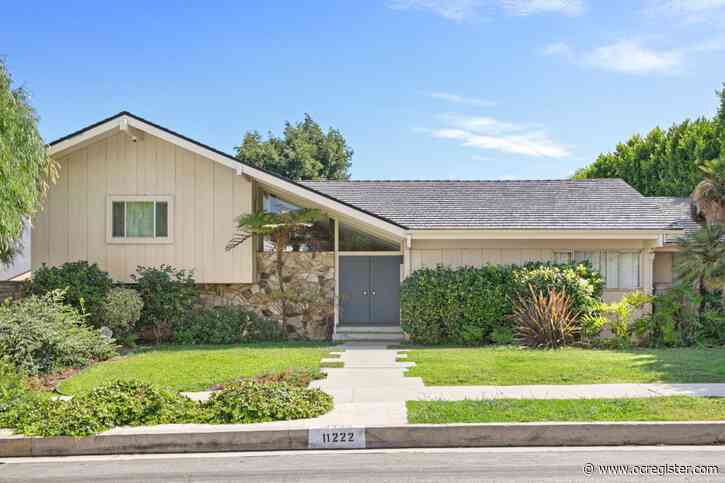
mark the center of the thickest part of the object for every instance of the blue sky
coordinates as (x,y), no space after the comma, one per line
(422,89)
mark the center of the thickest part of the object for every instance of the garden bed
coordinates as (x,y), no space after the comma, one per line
(679,408)
(507,365)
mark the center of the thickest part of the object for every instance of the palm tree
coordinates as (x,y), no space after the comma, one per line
(709,195)
(281,228)
(702,264)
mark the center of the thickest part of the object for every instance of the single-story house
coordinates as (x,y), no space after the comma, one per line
(131,193)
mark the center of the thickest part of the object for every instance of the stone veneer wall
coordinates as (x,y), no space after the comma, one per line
(309,273)
(11,290)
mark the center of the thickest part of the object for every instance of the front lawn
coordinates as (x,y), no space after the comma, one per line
(680,408)
(196,368)
(505,366)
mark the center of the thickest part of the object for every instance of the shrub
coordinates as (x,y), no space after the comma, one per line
(118,403)
(455,305)
(168,296)
(502,335)
(226,324)
(545,319)
(253,402)
(40,334)
(121,310)
(85,286)
(582,284)
(466,305)
(13,393)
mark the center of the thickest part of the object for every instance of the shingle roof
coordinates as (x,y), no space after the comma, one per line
(678,209)
(604,204)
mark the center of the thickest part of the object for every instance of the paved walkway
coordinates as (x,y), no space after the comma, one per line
(371,390)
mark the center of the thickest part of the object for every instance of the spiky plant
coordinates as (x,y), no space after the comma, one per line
(281,228)
(702,261)
(545,320)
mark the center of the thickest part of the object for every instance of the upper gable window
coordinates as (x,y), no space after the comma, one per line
(140,219)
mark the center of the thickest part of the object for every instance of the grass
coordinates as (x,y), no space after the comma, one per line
(679,408)
(504,366)
(196,368)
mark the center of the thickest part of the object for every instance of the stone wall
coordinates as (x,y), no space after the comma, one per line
(11,290)
(309,276)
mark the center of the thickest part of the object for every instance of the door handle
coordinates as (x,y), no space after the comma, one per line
(365,292)
(373,291)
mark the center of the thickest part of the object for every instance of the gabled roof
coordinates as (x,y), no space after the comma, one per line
(593,204)
(680,213)
(125,119)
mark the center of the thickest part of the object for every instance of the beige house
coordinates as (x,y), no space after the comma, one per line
(132,193)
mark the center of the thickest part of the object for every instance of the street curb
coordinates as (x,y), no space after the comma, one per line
(409,436)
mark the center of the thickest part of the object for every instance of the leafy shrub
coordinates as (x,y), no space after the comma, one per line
(455,305)
(85,286)
(502,335)
(118,403)
(545,319)
(168,296)
(253,402)
(466,305)
(582,284)
(121,310)
(299,377)
(13,393)
(674,320)
(226,324)
(40,334)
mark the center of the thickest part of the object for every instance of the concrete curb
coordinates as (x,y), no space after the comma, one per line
(409,436)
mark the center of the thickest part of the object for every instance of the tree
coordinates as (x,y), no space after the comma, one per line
(708,198)
(702,263)
(25,168)
(664,162)
(281,228)
(303,152)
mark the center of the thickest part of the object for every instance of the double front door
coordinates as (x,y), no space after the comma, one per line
(370,290)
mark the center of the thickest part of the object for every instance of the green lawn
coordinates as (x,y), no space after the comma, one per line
(504,366)
(679,408)
(196,368)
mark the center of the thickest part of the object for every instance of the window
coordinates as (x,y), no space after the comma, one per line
(352,240)
(320,237)
(140,219)
(562,257)
(620,269)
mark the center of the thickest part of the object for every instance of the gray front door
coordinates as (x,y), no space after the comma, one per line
(370,290)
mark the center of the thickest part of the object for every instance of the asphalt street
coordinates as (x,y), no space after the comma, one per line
(439,465)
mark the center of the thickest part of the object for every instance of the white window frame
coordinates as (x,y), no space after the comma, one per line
(604,257)
(140,240)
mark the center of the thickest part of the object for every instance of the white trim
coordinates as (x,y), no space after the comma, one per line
(261,176)
(337,278)
(539,234)
(110,239)
(371,254)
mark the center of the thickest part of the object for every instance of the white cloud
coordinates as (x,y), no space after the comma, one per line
(558,48)
(630,57)
(488,133)
(690,11)
(465,10)
(530,7)
(458,99)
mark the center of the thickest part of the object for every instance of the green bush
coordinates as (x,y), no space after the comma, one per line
(466,305)
(13,393)
(226,324)
(168,296)
(578,281)
(118,403)
(455,305)
(254,402)
(41,334)
(85,286)
(121,310)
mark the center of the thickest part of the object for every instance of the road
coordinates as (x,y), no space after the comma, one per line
(439,465)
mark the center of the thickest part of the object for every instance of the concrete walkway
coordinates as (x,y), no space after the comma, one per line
(371,390)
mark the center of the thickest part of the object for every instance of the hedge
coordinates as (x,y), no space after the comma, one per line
(470,305)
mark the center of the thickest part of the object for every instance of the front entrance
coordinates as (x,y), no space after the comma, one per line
(370,290)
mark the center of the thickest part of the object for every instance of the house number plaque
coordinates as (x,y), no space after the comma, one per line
(336,438)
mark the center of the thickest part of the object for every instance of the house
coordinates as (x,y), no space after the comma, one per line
(131,193)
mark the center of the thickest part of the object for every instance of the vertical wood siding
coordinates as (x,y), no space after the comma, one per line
(207,198)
